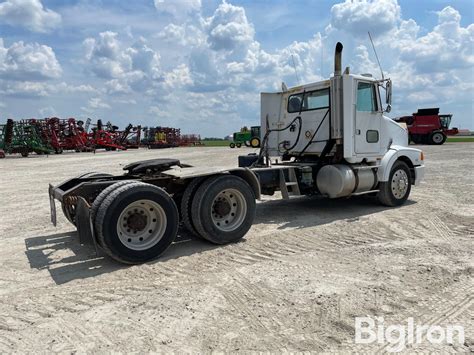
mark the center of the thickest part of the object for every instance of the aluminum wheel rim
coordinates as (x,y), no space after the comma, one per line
(399,183)
(229,209)
(437,137)
(141,225)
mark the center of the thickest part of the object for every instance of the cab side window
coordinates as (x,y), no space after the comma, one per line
(311,100)
(366,97)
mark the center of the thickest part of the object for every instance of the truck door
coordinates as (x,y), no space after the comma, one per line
(367,118)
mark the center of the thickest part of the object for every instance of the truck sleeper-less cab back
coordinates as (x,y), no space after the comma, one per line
(328,138)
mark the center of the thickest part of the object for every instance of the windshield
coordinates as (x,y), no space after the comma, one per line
(445,120)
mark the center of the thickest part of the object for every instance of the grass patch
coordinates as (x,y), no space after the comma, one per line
(216,143)
(461,139)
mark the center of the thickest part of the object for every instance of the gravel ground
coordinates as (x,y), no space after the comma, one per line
(295,283)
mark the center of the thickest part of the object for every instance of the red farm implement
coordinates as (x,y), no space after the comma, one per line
(190,140)
(66,134)
(130,137)
(105,136)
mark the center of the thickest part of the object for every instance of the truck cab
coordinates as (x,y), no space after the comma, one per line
(339,127)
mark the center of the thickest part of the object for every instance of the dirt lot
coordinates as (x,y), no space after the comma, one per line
(295,283)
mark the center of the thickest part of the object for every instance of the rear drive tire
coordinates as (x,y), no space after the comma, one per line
(223,209)
(136,223)
(186,205)
(437,138)
(70,211)
(106,192)
(396,190)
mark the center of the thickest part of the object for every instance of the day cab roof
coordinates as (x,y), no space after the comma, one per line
(323,84)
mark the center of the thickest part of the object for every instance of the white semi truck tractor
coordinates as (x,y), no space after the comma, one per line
(328,138)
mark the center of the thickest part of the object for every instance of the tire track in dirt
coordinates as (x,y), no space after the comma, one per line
(443,230)
(242,294)
(441,307)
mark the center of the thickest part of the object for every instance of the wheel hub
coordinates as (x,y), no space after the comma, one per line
(228,210)
(137,221)
(141,224)
(222,207)
(399,184)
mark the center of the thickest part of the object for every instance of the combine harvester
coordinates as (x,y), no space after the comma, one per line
(428,126)
(328,138)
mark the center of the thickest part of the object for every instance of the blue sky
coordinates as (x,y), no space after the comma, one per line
(200,65)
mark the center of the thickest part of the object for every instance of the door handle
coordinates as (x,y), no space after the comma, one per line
(358,132)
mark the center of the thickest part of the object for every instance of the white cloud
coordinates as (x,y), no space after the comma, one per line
(127,68)
(358,17)
(448,46)
(29,62)
(25,89)
(126,101)
(97,102)
(30,14)
(72,89)
(229,28)
(178,8)
(177,78)
(155,110)
(94,104)
(105,56)
(144,59)
(173,34)
(47,111)
(116,86)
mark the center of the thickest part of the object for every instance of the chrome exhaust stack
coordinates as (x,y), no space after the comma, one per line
(336,96)
(338,59)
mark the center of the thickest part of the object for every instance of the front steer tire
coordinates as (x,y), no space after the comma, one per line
(223,209)
(150,209)
(396,190)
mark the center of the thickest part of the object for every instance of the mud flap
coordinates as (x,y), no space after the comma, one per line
(52,205)
(85,228)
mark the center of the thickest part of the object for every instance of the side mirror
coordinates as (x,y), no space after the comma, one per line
(389,108)
(388,92)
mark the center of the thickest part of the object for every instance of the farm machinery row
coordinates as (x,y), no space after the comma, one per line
(55,135)
(168,137)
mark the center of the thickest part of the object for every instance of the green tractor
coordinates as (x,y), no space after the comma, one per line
(249,138)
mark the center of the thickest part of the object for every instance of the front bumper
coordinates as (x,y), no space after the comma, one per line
(419,174)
